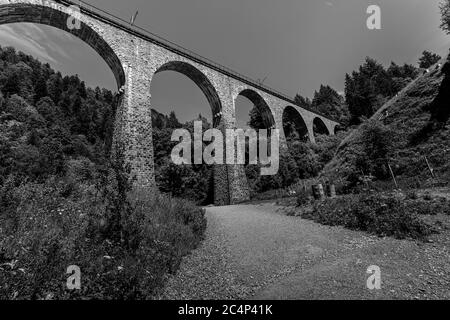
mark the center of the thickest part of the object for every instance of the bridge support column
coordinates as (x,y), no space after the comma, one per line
(239,188)
(310,125)
(331,128)
(231,184)
(278,118)
(133,130)
(221,186)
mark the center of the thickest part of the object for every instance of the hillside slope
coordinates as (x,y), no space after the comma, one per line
(417,121)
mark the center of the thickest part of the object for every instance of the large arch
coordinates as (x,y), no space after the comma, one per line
(320,127)
(201,81)
(294,125)
(264,110)
(44,14)
(96,35)
(219,189)
(264,119)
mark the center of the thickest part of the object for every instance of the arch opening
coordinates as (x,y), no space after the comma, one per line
(182,94)
(41,14)
(201,81)
(253,112)
(74,116)
(260,116)
(294,126)
(320,128)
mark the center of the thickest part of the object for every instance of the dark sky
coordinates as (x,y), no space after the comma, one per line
(296,44)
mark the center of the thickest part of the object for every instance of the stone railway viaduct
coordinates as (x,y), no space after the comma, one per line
(135,56)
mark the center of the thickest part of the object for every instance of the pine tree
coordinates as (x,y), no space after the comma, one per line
(173,122)
(302,101)
(428,59)
(256,119)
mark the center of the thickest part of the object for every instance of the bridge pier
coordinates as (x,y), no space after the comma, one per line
(310,126)
(231,184)
(134,126)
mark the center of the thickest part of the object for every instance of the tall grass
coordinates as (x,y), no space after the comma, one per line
(123,252)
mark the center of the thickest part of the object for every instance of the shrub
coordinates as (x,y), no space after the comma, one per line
(412,195)
(287,175)
(374,213)
(427,196)
(303,198)
(429,207)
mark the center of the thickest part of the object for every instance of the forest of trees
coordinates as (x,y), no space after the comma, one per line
(48,122)
(366,90)
(428,59)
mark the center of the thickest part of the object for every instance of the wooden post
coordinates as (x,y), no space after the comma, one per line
(393,176)
(365,181)
(430,168)
(331,190)
(318,191)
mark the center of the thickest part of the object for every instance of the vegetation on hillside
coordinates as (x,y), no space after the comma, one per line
(367,89)
(428,59)
(412,134)
(380,213)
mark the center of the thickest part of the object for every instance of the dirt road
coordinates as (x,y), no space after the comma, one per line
(257,252)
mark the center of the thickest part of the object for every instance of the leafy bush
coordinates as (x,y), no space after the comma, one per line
(429,207)
(420,130)
(191,182)
(412,195)
(303,198)
(383,215)
(304,160)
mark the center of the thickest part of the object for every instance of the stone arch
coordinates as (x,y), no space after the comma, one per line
(297,126)
(201,81)
(43,13)
(262,106)
(220,180)
(319,127)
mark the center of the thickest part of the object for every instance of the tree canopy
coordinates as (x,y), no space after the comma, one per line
(428,59)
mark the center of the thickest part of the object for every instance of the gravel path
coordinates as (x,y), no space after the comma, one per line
(256,251)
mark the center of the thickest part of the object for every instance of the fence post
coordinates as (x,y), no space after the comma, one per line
(318,191)
(393,176)
(430,168)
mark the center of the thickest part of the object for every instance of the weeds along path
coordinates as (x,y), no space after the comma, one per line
(256,251)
